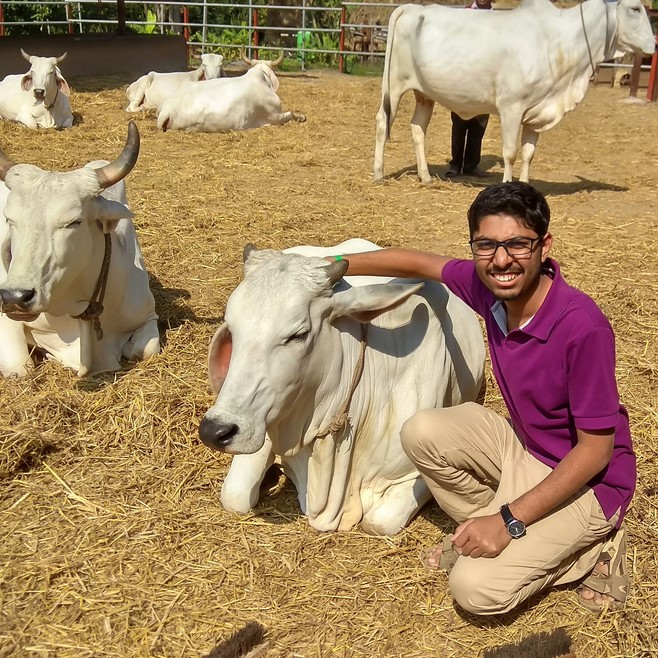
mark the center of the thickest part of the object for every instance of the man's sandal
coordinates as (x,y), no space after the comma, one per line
(448,556)
(615,582)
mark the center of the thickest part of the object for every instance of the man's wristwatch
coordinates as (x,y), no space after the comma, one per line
(515,528)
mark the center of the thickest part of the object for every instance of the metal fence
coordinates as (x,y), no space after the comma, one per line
(322,34)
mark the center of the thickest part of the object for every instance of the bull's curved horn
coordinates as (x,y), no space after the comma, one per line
(336,270)
(115,171)
(26,56)
(246,252)
(244,58)
(5,165)
(62,57)
(275,62)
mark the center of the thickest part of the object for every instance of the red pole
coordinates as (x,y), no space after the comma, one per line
(186,32)
(69,18)
(2,20)
(254,22)
(652,87)
(341,38)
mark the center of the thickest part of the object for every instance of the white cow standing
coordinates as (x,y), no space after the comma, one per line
(283,364)
(38,98)
(151,90)
(60,230)
(241,103)
(529,65)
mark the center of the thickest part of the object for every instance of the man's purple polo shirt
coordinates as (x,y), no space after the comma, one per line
(555,374)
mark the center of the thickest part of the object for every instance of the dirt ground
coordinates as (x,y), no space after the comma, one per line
(114,543)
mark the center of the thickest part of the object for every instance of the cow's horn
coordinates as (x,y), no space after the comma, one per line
(336,270)
(62,57)
(25,55)
(112,173)
(244,58)
(246,252)
(274,63)
(5,165)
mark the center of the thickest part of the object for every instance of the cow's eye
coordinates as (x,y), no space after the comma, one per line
(74,223)
(299,337)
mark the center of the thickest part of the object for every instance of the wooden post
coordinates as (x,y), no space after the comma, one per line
(254,22)
(341,39)
(2,20)
(635,75)
(186,32)
(121,17)
(652,87)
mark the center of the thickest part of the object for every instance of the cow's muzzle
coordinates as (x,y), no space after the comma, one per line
(40,94)
(17,299)
(216,434)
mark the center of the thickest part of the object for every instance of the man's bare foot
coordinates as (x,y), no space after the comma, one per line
(597,598)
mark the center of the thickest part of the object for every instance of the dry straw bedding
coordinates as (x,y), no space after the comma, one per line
(113,539)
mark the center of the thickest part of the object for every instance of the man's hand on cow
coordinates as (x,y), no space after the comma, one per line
(484,536)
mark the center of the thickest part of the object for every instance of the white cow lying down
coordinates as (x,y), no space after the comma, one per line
(38,98)
(53,246)
(248,101)
(151,90)
(282,364)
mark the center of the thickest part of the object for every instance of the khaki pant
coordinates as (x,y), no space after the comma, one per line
(473,462)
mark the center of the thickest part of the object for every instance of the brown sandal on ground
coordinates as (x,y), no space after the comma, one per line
(615,582)
(447,558)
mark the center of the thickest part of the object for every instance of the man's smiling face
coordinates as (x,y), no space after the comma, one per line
(510,276)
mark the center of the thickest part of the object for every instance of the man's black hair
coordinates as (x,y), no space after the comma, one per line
(516,199)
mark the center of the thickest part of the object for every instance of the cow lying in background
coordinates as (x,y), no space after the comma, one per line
(152,89)
(529,65)
(38,98)
(72,277)
(248,101)
(283,364)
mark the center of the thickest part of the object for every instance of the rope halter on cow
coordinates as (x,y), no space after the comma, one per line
(341,420)
(95,306)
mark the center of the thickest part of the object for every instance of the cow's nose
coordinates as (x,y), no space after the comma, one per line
(39,93)
(21,299)
(215,434)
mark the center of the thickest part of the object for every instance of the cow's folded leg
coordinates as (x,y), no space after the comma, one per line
(241,486)
(396,508)
(284,117)
(14,352)
(144,342)
(419,123)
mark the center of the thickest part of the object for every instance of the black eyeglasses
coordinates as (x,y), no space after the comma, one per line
(513,247)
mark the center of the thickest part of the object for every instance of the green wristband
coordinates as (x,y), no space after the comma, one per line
(339,257)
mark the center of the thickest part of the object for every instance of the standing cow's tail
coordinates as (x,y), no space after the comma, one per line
(386,77)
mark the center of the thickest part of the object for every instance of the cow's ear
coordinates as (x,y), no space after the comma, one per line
(108,213)
(219,357)
(26,82)
(198,73)
(365,303)
(61,82)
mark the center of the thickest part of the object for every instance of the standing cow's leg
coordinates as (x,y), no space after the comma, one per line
(529,139)
(510,122)
(242,483)
(419,123)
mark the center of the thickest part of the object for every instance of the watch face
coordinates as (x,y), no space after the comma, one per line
(516,528)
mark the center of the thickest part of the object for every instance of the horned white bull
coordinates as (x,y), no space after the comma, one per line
(38,98)
(530,65)
(151,90)
(286,363)
(248,101)
(72,277)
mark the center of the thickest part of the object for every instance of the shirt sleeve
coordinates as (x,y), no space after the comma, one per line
(593,394)
(461,279)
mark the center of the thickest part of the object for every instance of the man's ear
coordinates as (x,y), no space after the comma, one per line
(365,303)
(546,246)
(219,357)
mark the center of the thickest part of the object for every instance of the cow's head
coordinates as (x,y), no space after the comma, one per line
(53,241)
(279,351)
(211,66)
(634,29)
(44,78)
